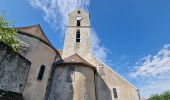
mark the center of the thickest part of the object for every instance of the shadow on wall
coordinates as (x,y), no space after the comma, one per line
(102,90)
(58,88)
(61,86)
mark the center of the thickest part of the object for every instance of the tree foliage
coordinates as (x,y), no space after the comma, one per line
(8,33)
(163,96)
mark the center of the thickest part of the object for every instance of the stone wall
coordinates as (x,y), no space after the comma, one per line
(13,70)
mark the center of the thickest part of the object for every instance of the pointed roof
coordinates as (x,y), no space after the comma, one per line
(34,30)
(75,59)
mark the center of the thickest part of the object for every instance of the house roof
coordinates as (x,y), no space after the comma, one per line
(34,30)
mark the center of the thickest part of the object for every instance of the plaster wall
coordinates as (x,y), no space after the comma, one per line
(82,48)
(82,88)
(71,47)
(39,54)
(125,90)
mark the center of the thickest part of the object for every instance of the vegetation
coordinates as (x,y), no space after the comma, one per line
(163,96)
(8,33)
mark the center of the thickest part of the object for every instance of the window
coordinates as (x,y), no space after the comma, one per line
(115,93)
(78,22)
(78,36)
(41,72)
(71,74)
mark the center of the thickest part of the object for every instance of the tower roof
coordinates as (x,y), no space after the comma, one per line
(34,30)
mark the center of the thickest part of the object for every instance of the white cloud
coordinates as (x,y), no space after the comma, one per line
(156,86)
(154,65)
(154,72)
(99,51)
(56,11)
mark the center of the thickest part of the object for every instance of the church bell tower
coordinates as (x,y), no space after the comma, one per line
(78,35)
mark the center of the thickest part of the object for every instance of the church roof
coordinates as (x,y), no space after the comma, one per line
(75,59)
(34,30)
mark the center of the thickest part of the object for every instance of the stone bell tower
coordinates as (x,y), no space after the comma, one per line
(78,35)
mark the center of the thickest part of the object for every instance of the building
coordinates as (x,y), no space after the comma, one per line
(69,74)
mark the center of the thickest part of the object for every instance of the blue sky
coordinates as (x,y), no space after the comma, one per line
(132,36)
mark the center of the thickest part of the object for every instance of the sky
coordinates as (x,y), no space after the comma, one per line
(131,36)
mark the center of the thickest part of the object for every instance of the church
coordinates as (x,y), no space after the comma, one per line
(41,72)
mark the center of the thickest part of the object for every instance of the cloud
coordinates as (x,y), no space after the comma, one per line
(98,50)
(154,65)
(154,72)
(55,12)
(156,85)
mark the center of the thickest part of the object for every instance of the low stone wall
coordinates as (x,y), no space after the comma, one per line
(13,70)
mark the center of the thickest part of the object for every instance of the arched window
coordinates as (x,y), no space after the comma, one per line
(78,36)
(41,72)
(78,23)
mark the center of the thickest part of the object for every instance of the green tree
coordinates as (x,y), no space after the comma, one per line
(163,96)
(8,33)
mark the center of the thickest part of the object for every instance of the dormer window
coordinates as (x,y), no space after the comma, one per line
(78,36)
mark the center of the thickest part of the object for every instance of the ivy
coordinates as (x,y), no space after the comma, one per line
(8,33)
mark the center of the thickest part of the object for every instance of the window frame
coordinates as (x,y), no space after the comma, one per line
(78,36)
(115,94)
(41,72)
(78,23)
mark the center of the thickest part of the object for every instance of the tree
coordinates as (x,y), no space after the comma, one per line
(8,33)
(163,96)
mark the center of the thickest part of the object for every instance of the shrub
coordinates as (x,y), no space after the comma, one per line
(163,96)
